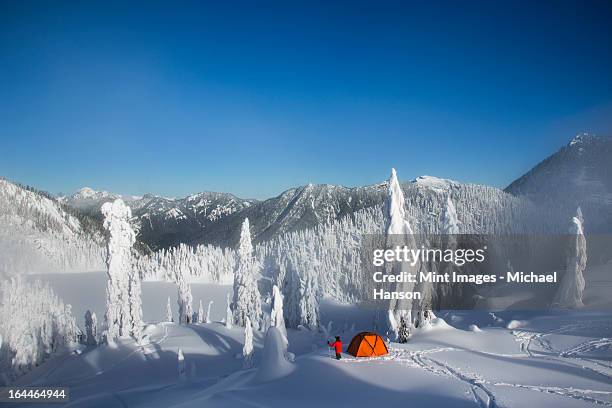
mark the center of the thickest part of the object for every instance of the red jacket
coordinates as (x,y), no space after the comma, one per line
(336,345)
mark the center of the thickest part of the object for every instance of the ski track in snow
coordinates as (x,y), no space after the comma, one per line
(140,348)
(481,387)
(526,338)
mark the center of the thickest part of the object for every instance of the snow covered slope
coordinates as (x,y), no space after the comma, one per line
(38,235)
(559,360)
(579,174)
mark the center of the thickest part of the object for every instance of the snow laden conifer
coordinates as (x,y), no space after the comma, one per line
(423,314)
(181,366)
(449,229)
(185,300)
(398,233)
(135,306)
(449,220)
(403,332)
(229,316)
(277,318)
(274,362)
(569,294)
(208,320)
(91,329)
(201,313)
(247,349)
(247,300)
(121,237)
(309,304)
(34,324)
(169,317)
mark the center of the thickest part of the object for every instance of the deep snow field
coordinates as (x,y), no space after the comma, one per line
(518,359)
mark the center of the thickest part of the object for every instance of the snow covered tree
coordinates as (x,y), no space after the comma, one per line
(277,318)
(247,300)
(34,324)
(398,233)
(424,306)
(229,316)
(403,330)
(91,329)
(121,237)
(169,317)
(184,302)
(209,263)
(200,313)
(247,349)
(181,367)
(274,361)
(569,294)
(449,228)
(135,306)
(208,320)
(291,297)
(309,305)
(449,220)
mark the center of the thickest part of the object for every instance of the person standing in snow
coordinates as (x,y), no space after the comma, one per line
(337,345)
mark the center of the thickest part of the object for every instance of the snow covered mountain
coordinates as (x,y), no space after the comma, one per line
(215,218)
(38,234)
(295,209)
(579,174)
(90,200)
(162,222)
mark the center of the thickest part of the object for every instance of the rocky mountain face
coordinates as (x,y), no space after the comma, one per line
(162,222)
(578,175)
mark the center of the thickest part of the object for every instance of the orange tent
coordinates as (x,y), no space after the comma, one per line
(367,344)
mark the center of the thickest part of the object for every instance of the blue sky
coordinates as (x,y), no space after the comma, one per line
(255,97)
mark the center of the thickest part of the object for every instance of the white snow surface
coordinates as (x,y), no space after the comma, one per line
(557,359)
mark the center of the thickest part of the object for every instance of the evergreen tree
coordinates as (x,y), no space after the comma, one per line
(229,317)
(403,330)
(135,306)
(247,349)
(185,302)
(570,292)
(277,318)
(91,329)
(169,317)
(398,233)
(34,323)
(208,320)
(247,300)
(181,366)
(201,313)
(309,305)
(119,321)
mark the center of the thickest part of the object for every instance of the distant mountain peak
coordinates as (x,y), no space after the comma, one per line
(579,174)
(435,183)
(583,138)
(88,192)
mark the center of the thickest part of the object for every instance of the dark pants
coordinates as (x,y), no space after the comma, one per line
(338,356)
